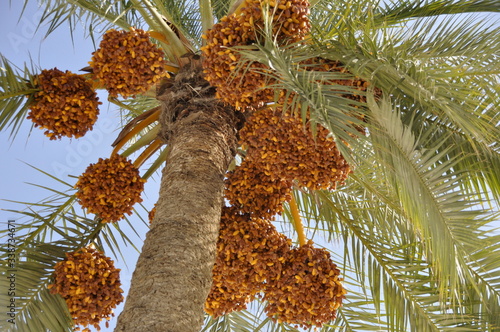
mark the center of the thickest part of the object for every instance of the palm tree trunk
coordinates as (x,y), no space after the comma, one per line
(174,271)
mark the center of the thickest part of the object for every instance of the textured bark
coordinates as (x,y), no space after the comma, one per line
(174,271)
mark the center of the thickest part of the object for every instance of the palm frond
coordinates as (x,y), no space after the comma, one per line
(175,44)
(157,163)
(58,216)
(206,15)
(37,309)
(468,155)
(382,247)
(243,321)
(428,196)
(398,11)
(448,94)
(423,197)
(98,16)
(485,269)
(130,108)
(447,65)
(14,90)
(221,8)
(314,92)
(388,262)
(53,227)
(185,16)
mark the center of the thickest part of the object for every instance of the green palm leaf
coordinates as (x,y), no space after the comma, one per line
(37,309)
(97,16)
(57,216)
(14,90)
(397,11)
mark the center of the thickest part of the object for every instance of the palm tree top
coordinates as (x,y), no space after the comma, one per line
(413,219)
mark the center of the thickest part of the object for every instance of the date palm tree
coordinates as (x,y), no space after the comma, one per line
(412,227)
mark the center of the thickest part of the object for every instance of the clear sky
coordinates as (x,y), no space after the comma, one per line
(21,43)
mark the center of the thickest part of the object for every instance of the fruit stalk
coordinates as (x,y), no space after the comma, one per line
(297,222)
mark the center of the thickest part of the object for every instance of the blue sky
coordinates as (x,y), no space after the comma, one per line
(20,42)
